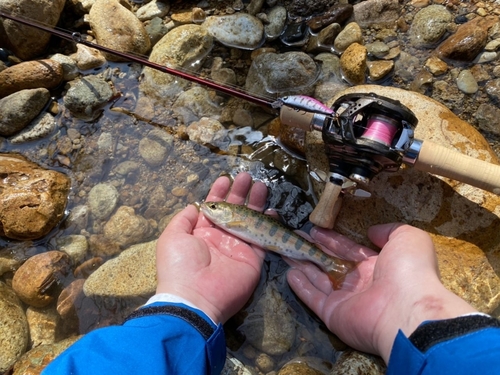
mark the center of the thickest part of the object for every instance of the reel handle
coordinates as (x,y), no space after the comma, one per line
(436,159)
(328,207)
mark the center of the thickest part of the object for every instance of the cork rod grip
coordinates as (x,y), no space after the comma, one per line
(328,207)
(442,161)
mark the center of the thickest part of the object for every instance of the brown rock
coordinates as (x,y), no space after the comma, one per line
(30,75)
(36,280)
(44,324)
(101,246)
(469,39)
(34,361)
(126,228)
(353,64)
(70,298)
(352,362)
(25,41)
(118,28)
(32,199)
(86,268)
(14,331)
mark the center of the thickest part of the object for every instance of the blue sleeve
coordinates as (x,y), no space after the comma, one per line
(162,338)
(454,349)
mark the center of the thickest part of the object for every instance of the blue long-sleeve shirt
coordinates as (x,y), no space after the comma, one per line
(174,338)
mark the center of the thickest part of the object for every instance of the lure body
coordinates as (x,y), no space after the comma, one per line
(303,102)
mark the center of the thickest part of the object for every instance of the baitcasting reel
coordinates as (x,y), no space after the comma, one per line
(365,134)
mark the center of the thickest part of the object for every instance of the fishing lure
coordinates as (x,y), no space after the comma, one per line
(303,102)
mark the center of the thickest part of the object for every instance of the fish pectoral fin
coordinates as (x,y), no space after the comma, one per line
(237,224)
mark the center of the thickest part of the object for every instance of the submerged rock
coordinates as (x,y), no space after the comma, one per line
(239,30)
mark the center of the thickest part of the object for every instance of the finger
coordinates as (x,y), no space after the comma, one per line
(317,278)
(339,245)
(184,221)
(306,291)
(258,196)
(219,189)
(240,188)
(380,234)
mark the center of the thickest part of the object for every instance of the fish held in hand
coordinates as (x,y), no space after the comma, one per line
(262,230)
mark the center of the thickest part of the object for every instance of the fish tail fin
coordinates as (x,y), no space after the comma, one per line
(339,272)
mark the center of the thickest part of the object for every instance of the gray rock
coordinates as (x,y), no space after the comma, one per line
(75,245)
(131,274)
(102,200)
(155,147)
(153,9)
(282,74)
(466,82)
(14,331)
(277,19)
(429,26)
(70,69)
(40,127)
(385,12)
(86,96)
(19,109)
(239,30)
(207,131)
(198,102)
(270,326)
(349,35)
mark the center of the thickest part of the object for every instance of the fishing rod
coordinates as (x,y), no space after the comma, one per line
(363,135)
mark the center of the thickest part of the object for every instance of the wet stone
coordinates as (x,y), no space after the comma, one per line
(466,82)
(207,132)
(126,228)
(353,64)
(87,58)
(85,269)
(277,19)
(336,14)
(102,200)
(44,325)
(153,9)
(75,245)
(379,69)
(19,109)
(469,39)
(32,199)
(379,12)
(70,299)
(295,34)
(349,35)
(35,282)
(41,127)
(70,69)
(14,331)
(86,96)
(353,363)
(30,75)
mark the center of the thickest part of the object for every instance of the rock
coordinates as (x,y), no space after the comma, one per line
(75,245)
(131,274)
(19,109)
(86,96)
(376,12)
(282,74)
(270,326)
(88,267)
(353,64)
(352,362)
(277,20)
(77,219)
(101,246)
(325,39)
(195,103)
(34,361)
(179,48)
(87,58)
(349,35)
(208,132)
(379,69)
(309,7)
(155,147)
(469,39)
(466,82)
(429,26)
(27,42)
(462,220)
(336,14)
(118,28)
(41,127)
(300,368)
(32,199)
(487,116)
(153,9)
(103,199)
(30,75)
(238,30)
(69,66)
(44,325)
(126,228)
(14,331)
(35,281)
(69,299)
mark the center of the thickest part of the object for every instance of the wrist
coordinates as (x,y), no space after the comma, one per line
(414,310)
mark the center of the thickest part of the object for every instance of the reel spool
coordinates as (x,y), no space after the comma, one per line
(369,134)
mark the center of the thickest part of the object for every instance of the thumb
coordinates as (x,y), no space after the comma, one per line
(185,221)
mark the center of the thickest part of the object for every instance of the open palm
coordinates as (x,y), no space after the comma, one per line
(205,265)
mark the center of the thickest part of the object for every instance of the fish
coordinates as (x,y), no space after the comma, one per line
(264,231)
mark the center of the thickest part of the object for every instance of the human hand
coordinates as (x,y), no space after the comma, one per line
(205,265)
(396,289)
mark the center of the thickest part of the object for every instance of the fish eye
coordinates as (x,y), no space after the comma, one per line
(213,206)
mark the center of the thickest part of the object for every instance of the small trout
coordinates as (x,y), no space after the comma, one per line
(261,230)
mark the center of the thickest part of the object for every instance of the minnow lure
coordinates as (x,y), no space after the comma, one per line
(303,102)
(262,230)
